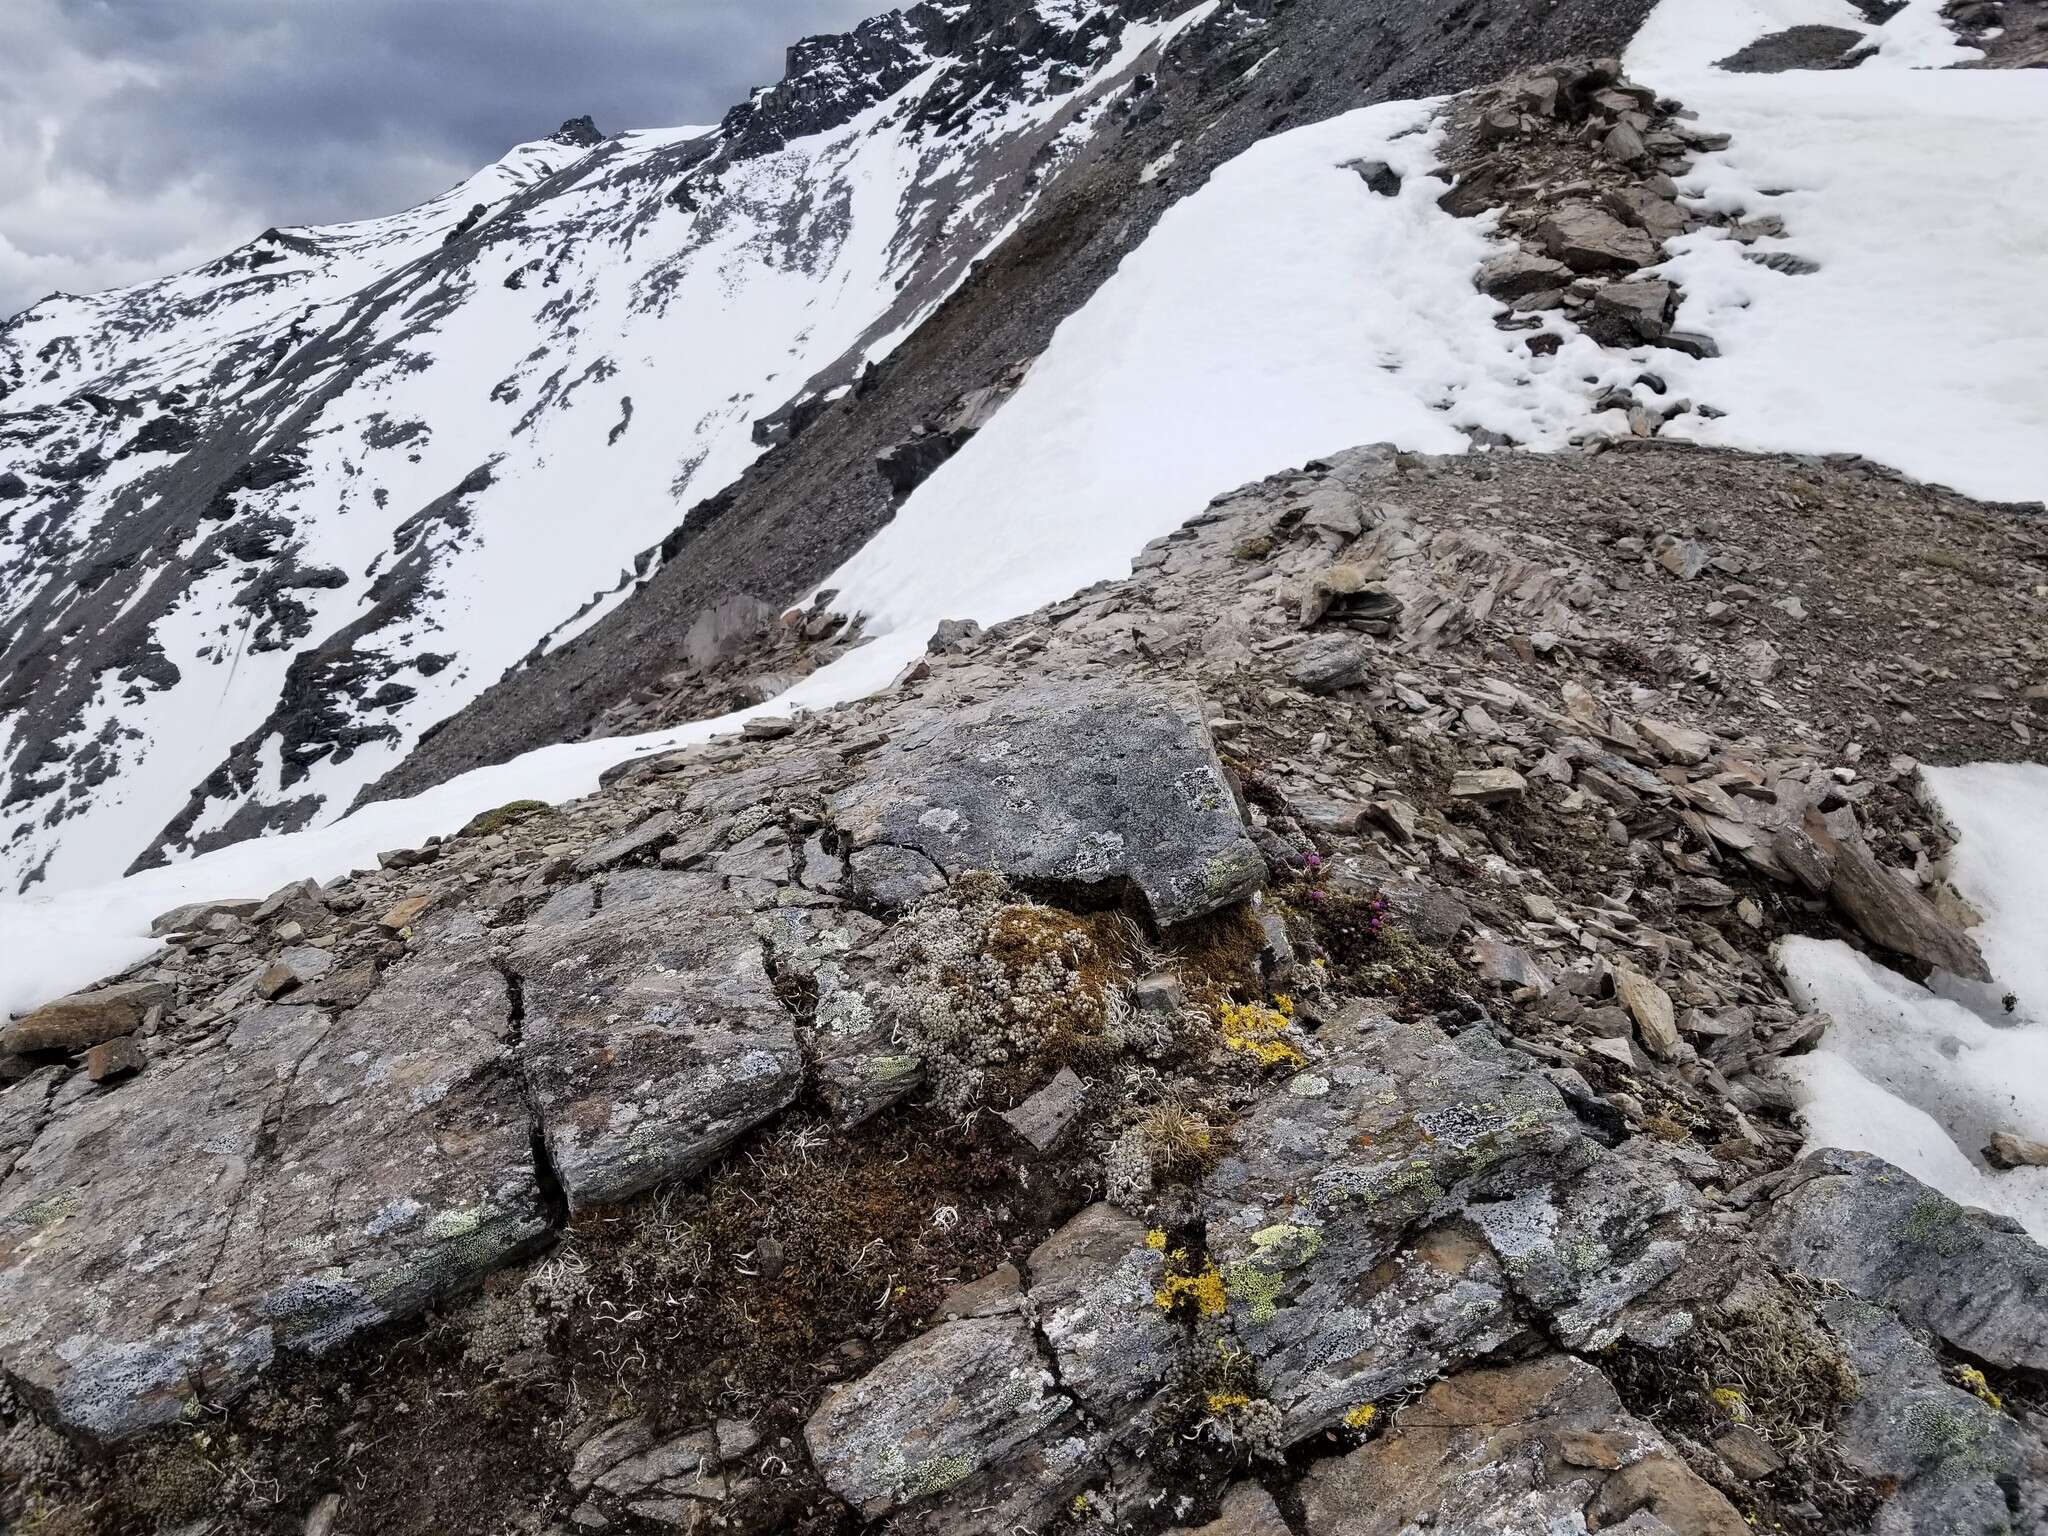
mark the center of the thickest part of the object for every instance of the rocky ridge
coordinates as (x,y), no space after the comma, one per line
(1283,1042)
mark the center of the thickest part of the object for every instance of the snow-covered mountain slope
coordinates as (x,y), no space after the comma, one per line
(263,523)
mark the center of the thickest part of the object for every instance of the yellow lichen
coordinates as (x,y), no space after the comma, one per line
(1156,1240)
(1974,1383)
(1361,1417)
(1204,1290)
(1732,1403)
(1261,1032)
(1223,1402)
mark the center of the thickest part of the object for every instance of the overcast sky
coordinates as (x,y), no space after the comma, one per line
(141,136)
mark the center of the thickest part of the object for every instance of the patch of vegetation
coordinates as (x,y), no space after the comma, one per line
(484,823)
(1762,1358)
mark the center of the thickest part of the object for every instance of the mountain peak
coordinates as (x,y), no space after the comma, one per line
(579,131)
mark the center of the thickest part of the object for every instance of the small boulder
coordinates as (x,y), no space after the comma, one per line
(1593,240)
(86,1018)
(1043,1118)
(112,1060)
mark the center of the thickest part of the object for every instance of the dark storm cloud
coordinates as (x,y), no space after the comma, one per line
(139,135)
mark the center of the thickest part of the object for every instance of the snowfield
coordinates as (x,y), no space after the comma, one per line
(1285,310)
(1922,193)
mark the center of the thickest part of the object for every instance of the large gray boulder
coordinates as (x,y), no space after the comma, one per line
(1948,1454)
(1068,785)
(301,1180)
(652,1037)
(1856,1220)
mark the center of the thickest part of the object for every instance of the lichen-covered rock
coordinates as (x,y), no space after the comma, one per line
(1094,1287)
(652,1037)
(1391,1134)
(666,1478)
(1856,1220)
(1582,1251)
(305,1179)
(858,1065)
(1949,1454)
(1069,784)
(940,1410)
(1543,1446)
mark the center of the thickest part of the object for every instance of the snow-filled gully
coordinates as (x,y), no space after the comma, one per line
(1283,311)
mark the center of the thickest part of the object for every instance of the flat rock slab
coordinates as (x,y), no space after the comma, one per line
(652,1035)
(944,1408)
(1068,785)
(1543,1446)
(300,1180)
(1858,1221)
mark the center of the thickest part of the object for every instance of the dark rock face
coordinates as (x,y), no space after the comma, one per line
(1808,47)
(1856,1220)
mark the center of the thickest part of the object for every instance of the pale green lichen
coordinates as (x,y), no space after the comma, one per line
(41,1214)
(1287,1246)
(1938,1223)
(1953,1437)
(936,1475)
(1255,1289)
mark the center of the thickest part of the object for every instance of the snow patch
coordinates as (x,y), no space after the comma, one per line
(1924,1077)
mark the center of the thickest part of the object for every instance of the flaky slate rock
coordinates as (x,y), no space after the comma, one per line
(652,1036)
(944,1408)
(1593,240)
(1071,785)
(302,1179)
(1854,1219)
(1889,912)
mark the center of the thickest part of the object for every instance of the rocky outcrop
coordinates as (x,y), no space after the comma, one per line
(906,1130)
(309,1177)
(1544,1445)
